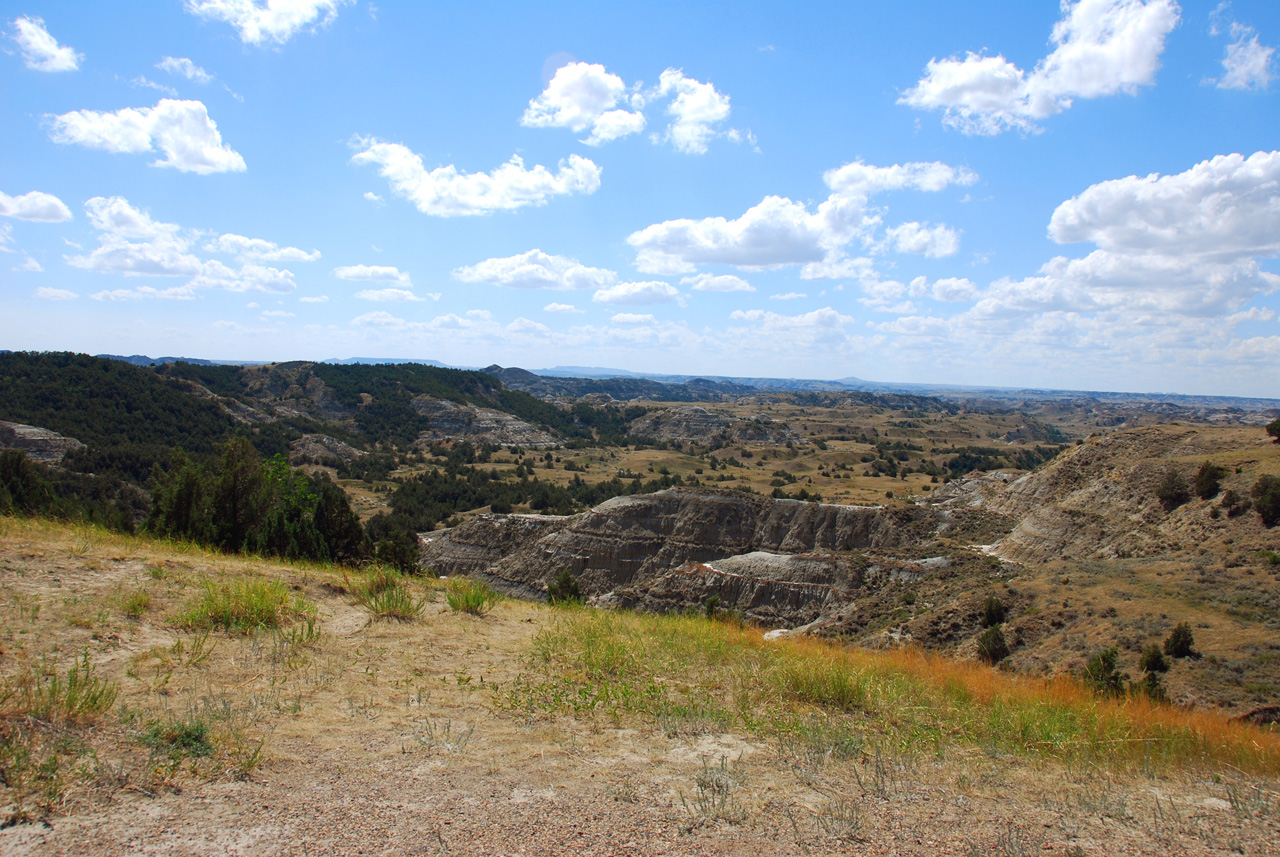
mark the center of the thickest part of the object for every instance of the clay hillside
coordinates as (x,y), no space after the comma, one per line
(309,608)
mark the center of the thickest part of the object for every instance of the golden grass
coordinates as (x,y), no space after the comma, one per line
(688,667)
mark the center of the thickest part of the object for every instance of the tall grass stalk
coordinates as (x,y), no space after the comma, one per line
(465,595)
(383,592)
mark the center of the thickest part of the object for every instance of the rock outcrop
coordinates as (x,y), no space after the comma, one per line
(39,444)
(692,423)
(752,551)
(450,421)
(322,449)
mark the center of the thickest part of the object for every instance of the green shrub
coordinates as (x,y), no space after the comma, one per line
(1181,642)
(1208,480)
(1266,499)
(993,612)
(1172,491)
(564,589)
(1101,673)
(465,595)
(179,739)
(136,603)
(243,606)
(1153,660)
(1273,429)
(992,647)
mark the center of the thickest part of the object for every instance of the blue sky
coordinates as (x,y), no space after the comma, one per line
(1079,196)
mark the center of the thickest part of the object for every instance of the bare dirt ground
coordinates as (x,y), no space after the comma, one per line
(383,738)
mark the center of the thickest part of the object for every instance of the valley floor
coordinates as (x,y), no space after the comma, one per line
(385,737)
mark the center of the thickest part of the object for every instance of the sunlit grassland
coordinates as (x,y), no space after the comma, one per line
(687,672)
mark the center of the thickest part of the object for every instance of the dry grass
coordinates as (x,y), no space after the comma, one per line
(689,668)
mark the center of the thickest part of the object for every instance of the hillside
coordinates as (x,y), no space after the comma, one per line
(529,729)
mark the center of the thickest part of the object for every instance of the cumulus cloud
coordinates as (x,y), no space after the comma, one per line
(695,111)
(396,295)
(632,318)
(1179,249)
(581,96)
(778,231)
(181,130)
(381,273)
(923,240)
(183,67)
(527,326)
(315,299)
(29,264)
(41,51)
(446,192)
(648,292)
(1101,47)
(258,249)
(37,206)
(717,283)
(45,293)
(536,270)
(788,296)
(272,21)
(373,197)
(131,243)
(820,320)
(557,307)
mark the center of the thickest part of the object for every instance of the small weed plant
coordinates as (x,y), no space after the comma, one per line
(43,693)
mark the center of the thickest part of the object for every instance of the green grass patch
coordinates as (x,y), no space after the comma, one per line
(242,606)
(384,593)
(464,595)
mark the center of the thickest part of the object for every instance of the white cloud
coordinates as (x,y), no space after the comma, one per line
(536,270)
(183,67)
(525,325)
(788,296)
(445,192)
(276,313)
(381,273)
(41,51)
(632,318)
(825,319)
(315,299)
(143,80)
(1221,209)
(648,292)
(272,21)
(556,307)
(1102,47)
(6,238)
(778,231)
(182,130)
(387,295)
(952,289)
(717,283)
(1248,61)
(42,207)
(29,264)
(45,293)
(132,244)
(373,197)
(923,240)
(1175,253)
(256,249)
(581,96)
(247,278)
(695,111)
(175,293)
